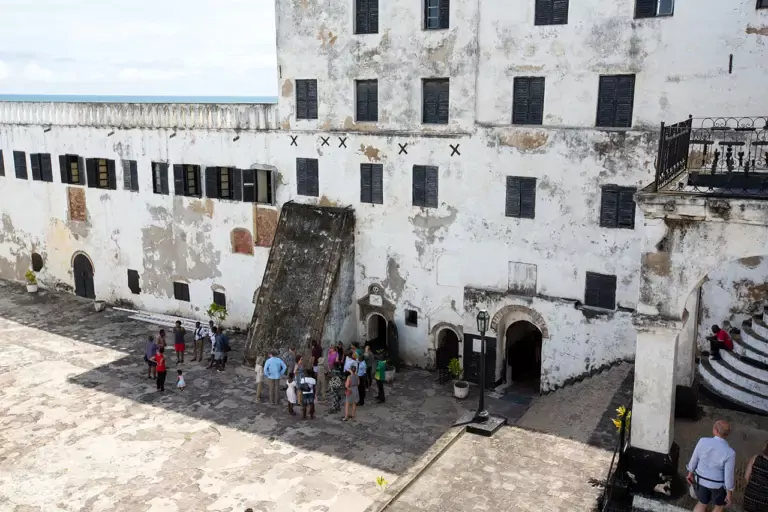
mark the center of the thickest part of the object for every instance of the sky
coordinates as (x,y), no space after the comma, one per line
(138,47)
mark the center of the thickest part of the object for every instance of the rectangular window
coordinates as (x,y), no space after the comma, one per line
(367,97)
(307,180)
(224,183)
(133,281)
(435,101)
(551,12)
(372,183)
(306,99)
(521,197)
(130,175)
(72,169)
(258,186)
(101,173)
(425,186)
(615,100)
(20,164)
(186,180)
(436,14)
(2,164)
(220,299)
(366,16)
(762,4)
(181,291)
(160,178)
(40,164)
(411,318)
(600,291)
(617,207)
(654,8)
(528,100)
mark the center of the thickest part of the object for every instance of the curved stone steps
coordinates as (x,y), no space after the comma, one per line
(751,344)
(729,391)
(742,379)
(760,327)
(745,350)
(746,365)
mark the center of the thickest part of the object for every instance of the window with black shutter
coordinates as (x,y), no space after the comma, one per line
(160,178)
(186,180)
(617,207)
(436,14)
(40,165)
(220,299)
(2,164)
(307,180)
(762,4)
(528,100)
(20,164)
(615,100)
(372,183)
(130,175)
(551,12)
(306,99)
(101,173)
(521,197)
(223,183)
(435,101)
(367,97)
(72,169)
(366,16)
(181,291)
(133,281)
(425,186)
(258,186)
(600,291)
(654,8)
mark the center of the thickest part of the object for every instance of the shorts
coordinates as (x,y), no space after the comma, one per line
(179,347)
(151,363)
(705,495)
(308,399)
(218,356)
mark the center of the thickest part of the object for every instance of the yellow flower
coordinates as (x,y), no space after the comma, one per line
(617,423)
(622,411)
(381,482)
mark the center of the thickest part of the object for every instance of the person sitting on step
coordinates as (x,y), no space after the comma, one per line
(720,340)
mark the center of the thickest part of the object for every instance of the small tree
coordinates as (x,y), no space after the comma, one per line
(217,313)
(454,367)
(30,277)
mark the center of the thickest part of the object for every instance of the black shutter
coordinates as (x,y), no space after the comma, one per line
(609,207)
(178,179)
(443,102)
(220,299)
(2,164)
(181,291)
(592,290)
(645,8)
(236,183)
(419,186)
(134,176)
(536,104)
(528,198)
(543,15)
(377,184)
(521,100)
(249,186)
(164,188)
(313,181)
(312,100)
(301,177)
(429,107)
(362,100)
(34,164)
(373,17)
(212,182)
(361,17)
(20,163)
(127,185)
(626,216)
(600,291)
(63,169)
(301,99)
(365,183)
(373,100)
(431,200)
(444,10)
(46,167)
(513,197)
(625,98)
(81,168)
(111,176)
(90,170)
(559,12)
(606,101)
(133,281)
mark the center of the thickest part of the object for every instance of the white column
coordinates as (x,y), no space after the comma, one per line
(686,341)
(653,405)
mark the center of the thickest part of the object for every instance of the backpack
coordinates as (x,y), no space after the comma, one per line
(304,387)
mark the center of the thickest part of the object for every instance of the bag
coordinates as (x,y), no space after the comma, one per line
(692,491)
(304,387)
(348,392)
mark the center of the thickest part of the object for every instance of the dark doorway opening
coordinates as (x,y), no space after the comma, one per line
(447,348)
(524,354)
(377,332)
(83,271)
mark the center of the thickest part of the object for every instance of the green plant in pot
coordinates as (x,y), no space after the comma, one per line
(460,387)
(31,279)
(217,313)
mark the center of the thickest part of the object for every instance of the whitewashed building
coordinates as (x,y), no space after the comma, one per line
(490,156)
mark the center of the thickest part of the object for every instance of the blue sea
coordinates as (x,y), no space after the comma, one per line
(89,98)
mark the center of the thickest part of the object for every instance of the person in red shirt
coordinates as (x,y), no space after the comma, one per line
(720,341)
(161,369)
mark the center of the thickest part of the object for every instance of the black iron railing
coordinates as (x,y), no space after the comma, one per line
(616,492)
(726,156)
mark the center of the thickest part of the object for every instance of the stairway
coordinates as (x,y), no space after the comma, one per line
(741,376)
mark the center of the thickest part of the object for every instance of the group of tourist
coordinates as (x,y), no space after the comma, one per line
(350,372)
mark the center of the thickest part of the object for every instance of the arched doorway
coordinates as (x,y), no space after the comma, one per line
(377,332)
(83,272)
(447,348)
(523,343)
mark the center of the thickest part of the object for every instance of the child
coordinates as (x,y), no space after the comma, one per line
(180,381)
(160,367)
(308,399)
(291,394)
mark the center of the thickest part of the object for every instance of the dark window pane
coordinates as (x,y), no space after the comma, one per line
(436,101)
(600,291)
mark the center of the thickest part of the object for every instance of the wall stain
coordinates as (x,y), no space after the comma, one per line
(524,141)
(370,152)
(287,89)
(657,263)
(427,226)
(758,31)
(395,282)
(751,262)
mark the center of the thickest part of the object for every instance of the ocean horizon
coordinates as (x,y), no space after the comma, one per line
(118,98)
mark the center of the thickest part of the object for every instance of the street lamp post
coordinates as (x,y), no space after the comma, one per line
(482,415)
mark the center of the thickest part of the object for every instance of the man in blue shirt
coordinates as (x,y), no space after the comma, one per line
(711,469)
(274,368)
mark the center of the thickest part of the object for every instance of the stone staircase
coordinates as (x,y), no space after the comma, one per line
(741,376)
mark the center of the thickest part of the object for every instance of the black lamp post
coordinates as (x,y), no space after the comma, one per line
(482,415)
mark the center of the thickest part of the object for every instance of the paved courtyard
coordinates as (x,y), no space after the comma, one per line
(83,429)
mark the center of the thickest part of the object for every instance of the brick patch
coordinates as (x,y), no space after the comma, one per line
(76,203)
(265,223)
(242,241)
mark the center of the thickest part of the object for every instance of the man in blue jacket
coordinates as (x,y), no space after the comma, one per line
(274,368)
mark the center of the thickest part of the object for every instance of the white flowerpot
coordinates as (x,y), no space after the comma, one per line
(32,288)
(460,389)
(99,305)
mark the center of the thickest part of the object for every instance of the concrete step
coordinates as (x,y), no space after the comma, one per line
(730,391)
(760,327)
(734,376)
(751,344)
(756,369)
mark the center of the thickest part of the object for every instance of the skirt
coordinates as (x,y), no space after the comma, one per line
(354,397)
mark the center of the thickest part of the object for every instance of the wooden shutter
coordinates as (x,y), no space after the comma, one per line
(46,167)
(625,98)
(81,168)
(220,299)
(645,8)
(20,163)
(536,103)
(212,182)
(178,179)
(302,93)
(236,183)
(63,169)
(377,184)
(127,184)
(609,206)
(600,291)
(133,280)
(90,170)
(444,12)
(543,15)
(164,188)
(34,165)
(559,12)
(528,198)
(513,197)
(606,101)
(249,186)
(134,176)
(301,177)
(431,199)
(626,215)
(419,187)
(429,107)
(373,17)
(111,175)
(361,17)
(373,100)
(362,100)
(521,100)
(443,102)
(313,177)
(271,179)
(312,99)
(181,291)
(2,164)
(365,183)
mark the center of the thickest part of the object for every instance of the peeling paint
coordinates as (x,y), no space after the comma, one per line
(524,140)
(760,31)
(370,152)
(287,88)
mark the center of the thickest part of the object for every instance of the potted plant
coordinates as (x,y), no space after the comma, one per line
(460,387)
(31,281)
(217,313)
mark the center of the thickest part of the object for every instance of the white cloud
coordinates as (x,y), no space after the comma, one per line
(35,72)
(5,71)
(149,74)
